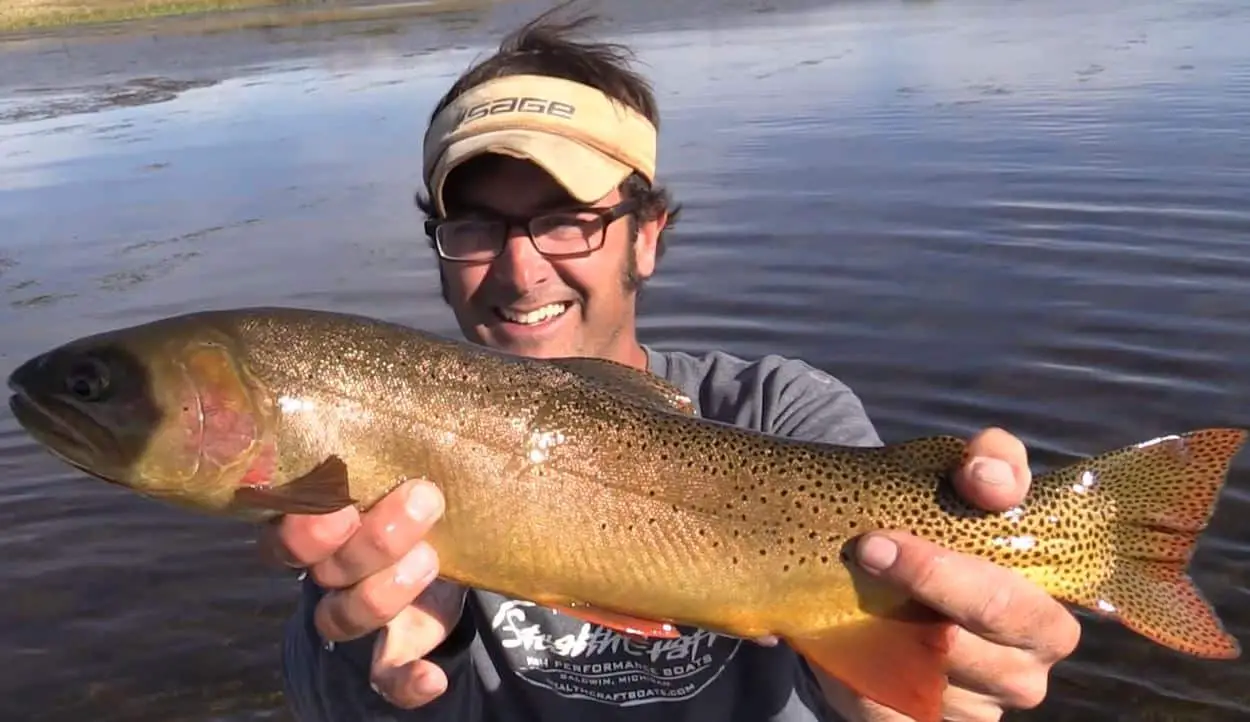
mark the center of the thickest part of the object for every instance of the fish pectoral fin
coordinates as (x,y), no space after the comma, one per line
(898,661)
(641,386)
(323,490)
(623,623)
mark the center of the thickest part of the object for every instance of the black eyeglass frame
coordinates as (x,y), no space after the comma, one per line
(604,216)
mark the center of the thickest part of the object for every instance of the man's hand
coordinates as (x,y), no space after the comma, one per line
(1009,631)
(380,576)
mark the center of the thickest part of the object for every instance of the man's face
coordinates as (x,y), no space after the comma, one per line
(525,303)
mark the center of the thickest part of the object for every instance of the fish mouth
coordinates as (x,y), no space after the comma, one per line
(59,427)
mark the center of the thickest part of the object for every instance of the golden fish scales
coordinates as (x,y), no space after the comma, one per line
(592,488)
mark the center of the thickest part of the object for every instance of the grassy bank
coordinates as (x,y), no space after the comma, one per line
(16,15)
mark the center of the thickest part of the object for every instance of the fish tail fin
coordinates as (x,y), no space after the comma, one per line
(1162,495)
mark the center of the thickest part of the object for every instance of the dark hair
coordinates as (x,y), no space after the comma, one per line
(546,46)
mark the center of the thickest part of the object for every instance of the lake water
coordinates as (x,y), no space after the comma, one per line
(975,213)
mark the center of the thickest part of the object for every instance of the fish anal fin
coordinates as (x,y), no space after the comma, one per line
(898,661)
(322,490)
(634,627)
(637,384)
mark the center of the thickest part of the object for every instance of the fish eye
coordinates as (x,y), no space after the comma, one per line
(88,379)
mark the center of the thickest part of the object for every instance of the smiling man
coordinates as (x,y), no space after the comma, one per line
(581,306)
(568,169)
(545,212)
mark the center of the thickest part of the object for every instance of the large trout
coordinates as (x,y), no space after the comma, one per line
(595,489)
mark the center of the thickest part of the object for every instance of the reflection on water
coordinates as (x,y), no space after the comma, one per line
(974,213)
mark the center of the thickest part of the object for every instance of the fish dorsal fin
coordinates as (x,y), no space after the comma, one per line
(641,386)
(929,456)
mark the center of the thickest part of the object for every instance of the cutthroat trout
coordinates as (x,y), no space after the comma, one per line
(595,489)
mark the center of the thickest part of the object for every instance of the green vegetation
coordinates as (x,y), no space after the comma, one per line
(40,14)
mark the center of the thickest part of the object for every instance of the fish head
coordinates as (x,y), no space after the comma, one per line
(161,409)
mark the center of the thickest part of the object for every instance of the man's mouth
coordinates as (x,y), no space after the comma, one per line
(535,316)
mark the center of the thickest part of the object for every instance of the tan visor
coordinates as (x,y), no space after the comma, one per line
(588,142)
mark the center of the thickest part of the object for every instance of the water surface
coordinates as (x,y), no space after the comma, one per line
(975,213)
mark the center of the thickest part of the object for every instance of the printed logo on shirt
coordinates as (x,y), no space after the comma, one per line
(579,660)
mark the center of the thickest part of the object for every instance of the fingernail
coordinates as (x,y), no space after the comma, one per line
(992,472)
(428,685)
(339,524)
(424,501)
(417,566)
(378,691)
(877,553)
(336,526)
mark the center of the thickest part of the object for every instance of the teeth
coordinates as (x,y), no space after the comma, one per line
(535,316)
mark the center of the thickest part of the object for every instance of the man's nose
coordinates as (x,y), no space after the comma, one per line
(520,264)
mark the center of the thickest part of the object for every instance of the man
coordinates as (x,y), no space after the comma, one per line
(546,215)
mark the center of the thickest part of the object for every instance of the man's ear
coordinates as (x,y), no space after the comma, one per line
(646,243)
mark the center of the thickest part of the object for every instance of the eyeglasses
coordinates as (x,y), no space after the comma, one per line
(558,234)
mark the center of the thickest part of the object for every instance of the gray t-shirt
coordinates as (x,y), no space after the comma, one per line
(512,661)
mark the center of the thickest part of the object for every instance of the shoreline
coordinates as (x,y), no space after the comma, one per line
(27,15)
(65,18)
